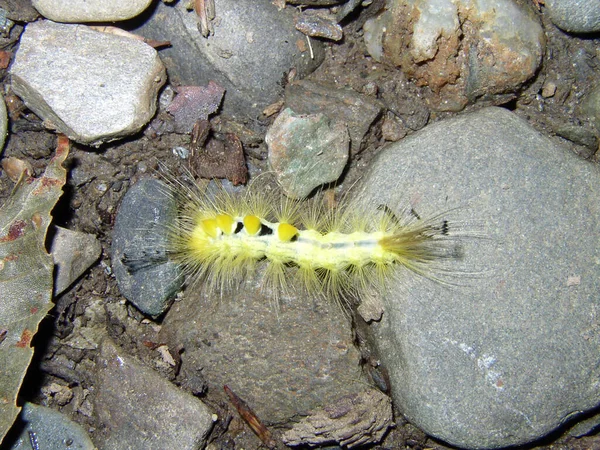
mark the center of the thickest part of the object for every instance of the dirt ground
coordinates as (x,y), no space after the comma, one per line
(100,177)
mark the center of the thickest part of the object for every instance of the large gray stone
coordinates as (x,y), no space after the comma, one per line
(253,48)
(578,16)
(284,357)
(94,87)
(507,354)
(137,408)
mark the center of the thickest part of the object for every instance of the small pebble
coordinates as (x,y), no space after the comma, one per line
(73,253)
(353,420)
(46,428)
(318,25)
(358,111)
(548,89)
(139,261)
(306,151)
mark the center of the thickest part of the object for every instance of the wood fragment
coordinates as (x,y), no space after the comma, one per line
(250,418)
(205,10)
(273,108)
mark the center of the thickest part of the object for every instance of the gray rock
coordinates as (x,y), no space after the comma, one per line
(584,137)
(576,16)
(501,49)
(317,24)
(306,151)
(101,89)
(137,408)
(50,430)
(507,355)
(253,47)
(589,108)
(284,357)
(359,112)
(73,253)
(18,11)
(139,260)
(90,10)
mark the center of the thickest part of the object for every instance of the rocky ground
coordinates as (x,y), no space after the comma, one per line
(403,103)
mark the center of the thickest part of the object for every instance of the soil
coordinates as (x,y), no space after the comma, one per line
(100,177)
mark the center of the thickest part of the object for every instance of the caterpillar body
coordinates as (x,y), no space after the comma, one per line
(340,253)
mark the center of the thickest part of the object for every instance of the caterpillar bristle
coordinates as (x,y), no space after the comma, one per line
(220,238)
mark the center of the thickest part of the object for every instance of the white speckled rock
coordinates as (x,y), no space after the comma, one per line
(576,16)
(90,10)
(92,86)
(506,357)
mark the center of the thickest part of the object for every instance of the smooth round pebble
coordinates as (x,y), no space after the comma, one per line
(575,16)
(90,10)
(139,261)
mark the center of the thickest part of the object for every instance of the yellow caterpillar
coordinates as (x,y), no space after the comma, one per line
(340,253)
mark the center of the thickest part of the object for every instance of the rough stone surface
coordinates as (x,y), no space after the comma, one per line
(306,151)
(51,430)
(462,50)
(589,108)
(100,89)
(138,408)
(576,16)
(284,357)
(359,112)
(253,47)
(90,10)
(356,419)
(139,259)
(507,355)
(73,253)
